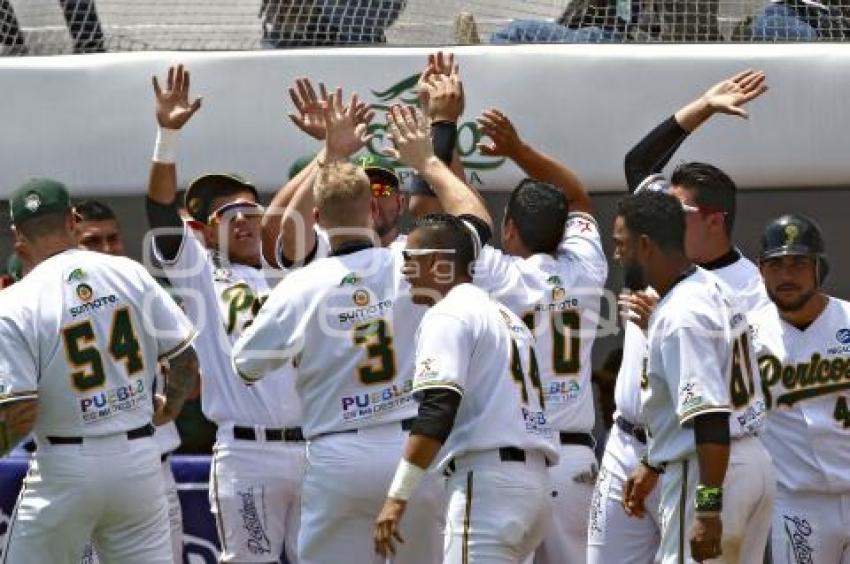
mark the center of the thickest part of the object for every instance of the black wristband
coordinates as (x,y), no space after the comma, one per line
(657,469)
(444,139)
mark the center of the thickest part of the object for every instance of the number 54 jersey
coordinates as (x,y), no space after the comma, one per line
(83,332)
(347,324)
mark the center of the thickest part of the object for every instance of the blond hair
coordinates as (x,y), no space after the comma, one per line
(343,195)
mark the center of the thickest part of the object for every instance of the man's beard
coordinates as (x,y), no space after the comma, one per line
(633,277)
(796,305)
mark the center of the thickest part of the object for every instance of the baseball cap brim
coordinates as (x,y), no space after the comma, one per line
(204,189)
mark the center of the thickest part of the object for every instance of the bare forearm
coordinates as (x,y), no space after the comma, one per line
(421,450)
(456,197)
(182,376)
(17,420)
(694,114)
(541,166)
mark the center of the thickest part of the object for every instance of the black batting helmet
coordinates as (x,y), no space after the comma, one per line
(795,235)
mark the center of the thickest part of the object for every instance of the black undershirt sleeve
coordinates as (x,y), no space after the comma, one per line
(712,428)
(443,139)
(653,152)
(167,216)
(437,412)
(288,263)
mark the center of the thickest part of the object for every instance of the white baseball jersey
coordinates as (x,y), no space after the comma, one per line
(558,297)
(744,287)
(806,379)
(323,245)
(223,299)
(700,360)
(474,345)
(348,324)
(83,333)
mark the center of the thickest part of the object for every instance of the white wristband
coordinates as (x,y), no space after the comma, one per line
(406,479)
(165,150)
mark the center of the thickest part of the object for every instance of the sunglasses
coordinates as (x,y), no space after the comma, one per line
(243,205)
(379,189)
(407,254)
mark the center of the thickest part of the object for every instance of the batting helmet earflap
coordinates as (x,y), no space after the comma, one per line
(795,235)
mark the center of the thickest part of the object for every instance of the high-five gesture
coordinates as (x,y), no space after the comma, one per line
(504,139)
(728,96)
(411,136)
(173,108)
(308,115)
(440,90)
(345,130)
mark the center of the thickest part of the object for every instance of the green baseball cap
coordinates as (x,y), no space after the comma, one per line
(204,189)
(37,197)
(300,165)
(379,170)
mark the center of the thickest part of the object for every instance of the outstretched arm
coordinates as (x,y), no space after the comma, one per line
(17,419)
(409,131)
(506,142)
(173,111)
(653,152)
(181,378)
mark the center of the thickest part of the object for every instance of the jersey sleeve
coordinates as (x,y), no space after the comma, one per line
(695,368)
(163,319)
(582,246)
(494,271)
(275,336)
(18,367)
(443,351)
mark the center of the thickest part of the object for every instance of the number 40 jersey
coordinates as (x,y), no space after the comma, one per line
(348,325)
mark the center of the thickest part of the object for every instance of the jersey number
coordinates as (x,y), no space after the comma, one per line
(742,387)
(82,351)
(566,342)
(842,413)
(519,375)
(374,336)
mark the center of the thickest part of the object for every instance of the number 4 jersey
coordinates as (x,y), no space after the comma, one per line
(83,332)
(348,324)
(700,360)
(806,380)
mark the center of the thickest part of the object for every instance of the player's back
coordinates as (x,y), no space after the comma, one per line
(503,401)
(743,283)
(84,319)
(352,327)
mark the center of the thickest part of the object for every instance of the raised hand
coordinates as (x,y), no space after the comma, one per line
(173,108)
(504,139)
(439,64)
(728,96)
(445,98)
(410,133)
(308,115)
(345,131)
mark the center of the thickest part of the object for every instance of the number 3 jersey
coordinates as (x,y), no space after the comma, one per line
(558,297)
(700,361)
(805,375)
(222,299)
(83,333)
(347,323)
(475,346)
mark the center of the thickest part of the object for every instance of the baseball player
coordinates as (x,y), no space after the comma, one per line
(81,337)
(480,404)
(803,346)
(97,229)
(214,263)
(709,196)
(698,394)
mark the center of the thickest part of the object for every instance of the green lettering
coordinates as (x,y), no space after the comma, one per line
(789,377)
(823,371)
(805,374)
(770,369)
(835,370)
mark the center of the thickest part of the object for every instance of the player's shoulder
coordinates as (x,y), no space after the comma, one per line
(694,300)
(463,302)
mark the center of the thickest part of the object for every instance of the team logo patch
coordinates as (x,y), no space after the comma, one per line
(843,336)
(85,293)
(350,279)
(361,297)
(77,275)
(558,294)
(32,202)
(554,280)
(791,234)
(428,368)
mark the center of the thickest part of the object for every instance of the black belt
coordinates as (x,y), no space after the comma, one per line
(137,433)
(584,439)
(406,425)
(630,428)
(288,435)
(506,454)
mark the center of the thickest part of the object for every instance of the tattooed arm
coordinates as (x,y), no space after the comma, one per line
(17,419)
(180,381)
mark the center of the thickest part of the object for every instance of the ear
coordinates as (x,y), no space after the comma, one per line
(644,246)
(210,235)
(374,210)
